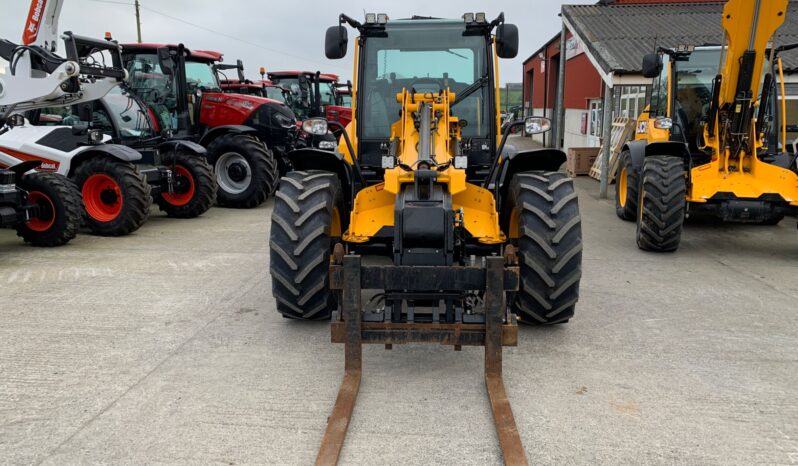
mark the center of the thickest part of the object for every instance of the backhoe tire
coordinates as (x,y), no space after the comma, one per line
(116,196)
(245,170)
(305,226)
(626,188)
(544,215)
(60,210)
(661,204)
(195,186)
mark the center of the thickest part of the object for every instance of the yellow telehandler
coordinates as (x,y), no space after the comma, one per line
(699,145)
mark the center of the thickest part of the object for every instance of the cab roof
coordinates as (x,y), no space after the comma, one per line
(204,55)
(289,74)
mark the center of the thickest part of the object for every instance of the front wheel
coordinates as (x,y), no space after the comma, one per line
(57,217)
(544,223)
(245,170)
(661,204)
(306,224)
(195,186)
(116,196)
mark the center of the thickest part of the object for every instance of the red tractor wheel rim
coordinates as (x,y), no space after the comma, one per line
(185,188)
(46,218)
(102,197)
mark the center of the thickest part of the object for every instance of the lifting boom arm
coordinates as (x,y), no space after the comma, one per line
(748,26)
(39,78)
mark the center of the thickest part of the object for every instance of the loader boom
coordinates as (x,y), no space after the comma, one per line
(748,26)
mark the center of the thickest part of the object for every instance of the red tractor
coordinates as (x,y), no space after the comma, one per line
(245,135)
(260,88)
(314,95)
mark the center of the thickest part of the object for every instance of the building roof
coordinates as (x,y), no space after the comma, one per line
(618,35)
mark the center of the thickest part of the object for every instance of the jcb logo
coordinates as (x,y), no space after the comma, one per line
(34,22)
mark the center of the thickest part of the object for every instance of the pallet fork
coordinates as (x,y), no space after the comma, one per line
(500,275)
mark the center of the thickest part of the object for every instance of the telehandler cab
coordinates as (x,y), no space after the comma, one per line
(476,234)
(699,146)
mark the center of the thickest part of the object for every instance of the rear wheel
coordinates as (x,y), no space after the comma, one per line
(661,204)
(626,187)
(116,196)
(195,186)
(245,170)
(57,218)
(545,224)
(306,224)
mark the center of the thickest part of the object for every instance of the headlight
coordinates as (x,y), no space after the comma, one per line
(663,123)
(315,126)
(326,145)
(96,136)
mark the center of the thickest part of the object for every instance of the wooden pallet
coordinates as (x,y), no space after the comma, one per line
(622,130)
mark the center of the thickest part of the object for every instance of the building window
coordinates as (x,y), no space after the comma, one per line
(631,100)
(595,117)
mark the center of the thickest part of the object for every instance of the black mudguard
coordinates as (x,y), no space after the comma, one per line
(117,151)
(214,133)
(528,160)
(182,146)
(316,159)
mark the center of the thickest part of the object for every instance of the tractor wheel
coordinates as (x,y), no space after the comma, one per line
(58,219)
(626,186)
(245,169)
(195,186)
(544,223)
(306,224)
(116,196)
(661,204)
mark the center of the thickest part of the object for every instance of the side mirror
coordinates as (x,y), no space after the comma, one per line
(507,41)
(335,42)
(536,125)
(166,61)
(652,65)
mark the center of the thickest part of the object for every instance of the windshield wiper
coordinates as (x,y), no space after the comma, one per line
(477,85)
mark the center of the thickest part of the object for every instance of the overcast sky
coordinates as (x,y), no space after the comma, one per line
(277,34)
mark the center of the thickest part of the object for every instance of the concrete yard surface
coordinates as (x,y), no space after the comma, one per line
(164,347)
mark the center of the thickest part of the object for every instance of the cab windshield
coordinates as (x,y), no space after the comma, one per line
(428,56)
(694,78)
(275,93)
(123,112)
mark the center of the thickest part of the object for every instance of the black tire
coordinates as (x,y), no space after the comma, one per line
(661,204)
(61,209)
(245,169)
(301,243)
(627,185)
(132,197)
(546,210)
(195,186)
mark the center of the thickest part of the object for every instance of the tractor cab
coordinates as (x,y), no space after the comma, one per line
(311,92)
